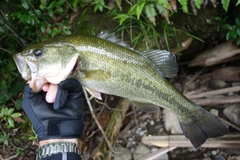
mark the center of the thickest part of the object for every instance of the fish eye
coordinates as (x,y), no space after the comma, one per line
(38,53)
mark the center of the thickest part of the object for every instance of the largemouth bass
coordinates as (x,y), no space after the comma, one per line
(105,64)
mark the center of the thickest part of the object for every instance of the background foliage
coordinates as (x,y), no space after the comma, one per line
(25,22)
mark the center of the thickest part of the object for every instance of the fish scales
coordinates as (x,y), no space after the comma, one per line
(106,67)
(140,92)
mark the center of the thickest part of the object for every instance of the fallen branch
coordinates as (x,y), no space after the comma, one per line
(230,124)
(213,93)
(216,55)
(213,101)
(157,153)
(12,157)
(227,141)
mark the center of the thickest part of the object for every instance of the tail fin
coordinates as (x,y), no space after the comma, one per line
(201,126)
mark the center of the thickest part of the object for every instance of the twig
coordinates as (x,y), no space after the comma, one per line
(212,101)
(6,51)
(93,132)
(194,77)
(95,118)
(1,157)
(227,141)
(12,157)
(8,97)
(157,153)
(106,105)
(230,124)
(124,131)
(213,93)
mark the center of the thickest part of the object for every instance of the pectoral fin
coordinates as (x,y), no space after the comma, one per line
(147,107)
(94,93)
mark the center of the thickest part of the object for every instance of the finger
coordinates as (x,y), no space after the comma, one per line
(45,87)
(51,94)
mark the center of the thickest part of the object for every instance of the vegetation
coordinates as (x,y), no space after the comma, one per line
(25,22)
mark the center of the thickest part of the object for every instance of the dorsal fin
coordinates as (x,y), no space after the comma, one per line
(165,61)
(112,38)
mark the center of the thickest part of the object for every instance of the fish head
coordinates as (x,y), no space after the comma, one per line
(46,63)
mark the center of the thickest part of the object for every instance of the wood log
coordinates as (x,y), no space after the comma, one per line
(112,130)
(220,54)
(227,141)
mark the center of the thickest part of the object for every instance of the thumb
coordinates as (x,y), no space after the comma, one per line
(64,88)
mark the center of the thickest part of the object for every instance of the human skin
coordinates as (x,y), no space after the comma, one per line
(51,90)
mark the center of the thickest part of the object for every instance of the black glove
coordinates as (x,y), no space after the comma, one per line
(61,119)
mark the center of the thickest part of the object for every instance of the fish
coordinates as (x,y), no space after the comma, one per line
(106,64)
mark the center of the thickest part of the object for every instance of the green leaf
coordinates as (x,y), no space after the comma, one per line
(16,115)
(227,26)
(238,41)
(198,3)
(184,4)
(121,17)
(38,12)
(162,2)
(43,2)
(119,2)
(151,12)
(238,32)
(10,111)
(160,8)
(25,4)
(43,28)
(225,4)
(50,12)
(140,8)
(4,111)
(234,33)
(10,122)
(237,21)
(1,115)
(238,2)
(228,36)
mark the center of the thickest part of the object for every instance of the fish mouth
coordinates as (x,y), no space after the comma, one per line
(28,70)
(22,66)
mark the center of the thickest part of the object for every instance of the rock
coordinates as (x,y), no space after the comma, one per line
(171,122)
(235,158)
(214,112)
(141,150)
(122,153)
(233,113)
(218,84)
(219,157)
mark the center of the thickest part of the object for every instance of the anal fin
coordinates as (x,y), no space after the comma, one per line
(147,107)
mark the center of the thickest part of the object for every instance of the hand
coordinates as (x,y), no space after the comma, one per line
(61,119)
(51,90)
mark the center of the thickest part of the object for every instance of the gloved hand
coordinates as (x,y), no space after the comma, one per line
(61,119)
